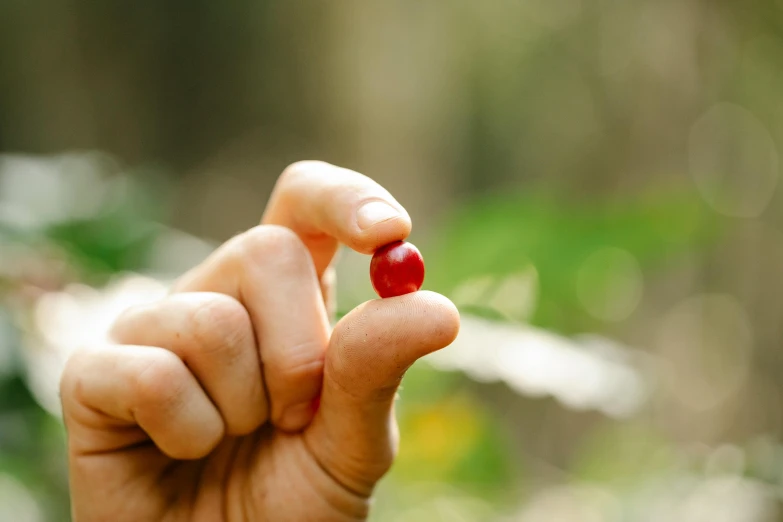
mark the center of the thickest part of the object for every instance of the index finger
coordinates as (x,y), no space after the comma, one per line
(326,205)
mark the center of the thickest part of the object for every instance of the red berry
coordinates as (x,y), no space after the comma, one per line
(397,269)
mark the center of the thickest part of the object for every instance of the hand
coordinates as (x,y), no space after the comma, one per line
(205,407)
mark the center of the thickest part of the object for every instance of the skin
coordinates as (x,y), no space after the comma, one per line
(201,407)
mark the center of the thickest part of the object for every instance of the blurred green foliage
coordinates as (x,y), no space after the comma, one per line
(556,233)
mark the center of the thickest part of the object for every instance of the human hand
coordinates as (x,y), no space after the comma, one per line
(204,406)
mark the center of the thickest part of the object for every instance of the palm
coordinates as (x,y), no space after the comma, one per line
(263,476)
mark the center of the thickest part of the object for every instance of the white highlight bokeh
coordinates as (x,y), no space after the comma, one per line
(17,503)
(36,191)
(592,374)
(76,317)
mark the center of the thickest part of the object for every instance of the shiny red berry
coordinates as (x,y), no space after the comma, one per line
(397,269)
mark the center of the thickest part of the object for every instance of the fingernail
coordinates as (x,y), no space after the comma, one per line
(297,416)
(375,212)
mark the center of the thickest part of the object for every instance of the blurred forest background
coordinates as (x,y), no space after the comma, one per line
(595,183)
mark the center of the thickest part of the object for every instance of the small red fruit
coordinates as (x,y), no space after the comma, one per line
(397,269)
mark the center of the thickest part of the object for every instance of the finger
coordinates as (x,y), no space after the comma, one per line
(353,435)
(326,205)
(329,293)
(213,335)
(271,273)
(108,390)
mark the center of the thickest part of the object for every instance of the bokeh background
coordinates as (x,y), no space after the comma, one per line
(595,183)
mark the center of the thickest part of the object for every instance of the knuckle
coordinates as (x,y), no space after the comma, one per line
(123,328)
(296,170)
(221,324)
(272,244)
(161,382)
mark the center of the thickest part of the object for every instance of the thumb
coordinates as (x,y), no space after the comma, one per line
(354,435)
